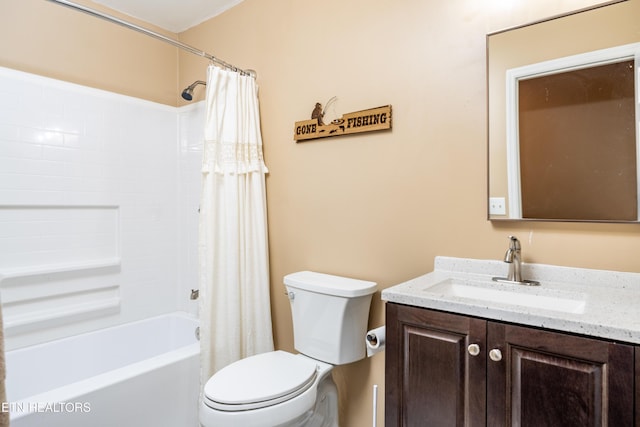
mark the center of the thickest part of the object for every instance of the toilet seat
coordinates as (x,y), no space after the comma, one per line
(259,381)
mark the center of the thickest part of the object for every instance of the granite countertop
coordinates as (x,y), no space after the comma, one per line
(599,303)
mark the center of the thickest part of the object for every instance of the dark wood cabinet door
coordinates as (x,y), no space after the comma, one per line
(431,379)
(552,379)
(637,375)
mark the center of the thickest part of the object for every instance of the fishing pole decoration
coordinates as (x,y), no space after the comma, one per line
(359,121)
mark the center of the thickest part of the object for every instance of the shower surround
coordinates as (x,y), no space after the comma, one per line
(98,207)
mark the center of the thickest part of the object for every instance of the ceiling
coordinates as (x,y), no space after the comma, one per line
(173,15)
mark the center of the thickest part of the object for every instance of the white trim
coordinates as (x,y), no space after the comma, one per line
(513,150)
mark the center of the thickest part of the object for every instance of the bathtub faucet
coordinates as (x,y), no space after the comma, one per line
(195,293)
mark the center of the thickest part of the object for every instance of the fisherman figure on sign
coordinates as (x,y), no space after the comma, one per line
(318,114)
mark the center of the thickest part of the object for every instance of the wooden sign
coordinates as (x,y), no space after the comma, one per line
(359,121)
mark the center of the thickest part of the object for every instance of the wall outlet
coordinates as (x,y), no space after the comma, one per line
(497,206)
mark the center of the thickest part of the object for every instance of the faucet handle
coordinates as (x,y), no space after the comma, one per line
(514,243)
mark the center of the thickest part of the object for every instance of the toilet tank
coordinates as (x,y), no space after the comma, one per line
(330,315)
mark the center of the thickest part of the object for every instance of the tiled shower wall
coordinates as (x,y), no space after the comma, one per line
(98,207)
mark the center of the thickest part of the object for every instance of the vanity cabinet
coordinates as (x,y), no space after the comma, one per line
(637,405)
(446,369)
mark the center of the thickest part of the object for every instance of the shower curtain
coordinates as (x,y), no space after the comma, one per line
(235,313)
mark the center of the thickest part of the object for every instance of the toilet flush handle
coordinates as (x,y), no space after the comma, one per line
(291,295)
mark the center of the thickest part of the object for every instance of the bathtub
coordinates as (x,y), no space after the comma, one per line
(139,374)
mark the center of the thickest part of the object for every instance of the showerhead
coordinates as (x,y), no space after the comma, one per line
(187,94)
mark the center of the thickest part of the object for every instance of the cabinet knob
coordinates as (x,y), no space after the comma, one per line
(495,355)
(473,349)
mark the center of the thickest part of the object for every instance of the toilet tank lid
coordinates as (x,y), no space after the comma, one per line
(329,284)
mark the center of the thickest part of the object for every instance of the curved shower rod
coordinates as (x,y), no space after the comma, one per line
(153,34)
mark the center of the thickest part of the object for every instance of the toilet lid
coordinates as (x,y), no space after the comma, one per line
(261,380)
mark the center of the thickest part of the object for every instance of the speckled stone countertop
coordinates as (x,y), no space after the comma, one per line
(608,302)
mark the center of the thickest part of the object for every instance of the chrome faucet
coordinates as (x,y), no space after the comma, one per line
(513,257)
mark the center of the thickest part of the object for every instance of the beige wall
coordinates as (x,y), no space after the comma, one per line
(44,38)
(380,206)
(374,206)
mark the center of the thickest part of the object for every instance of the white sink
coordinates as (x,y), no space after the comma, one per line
(515,295)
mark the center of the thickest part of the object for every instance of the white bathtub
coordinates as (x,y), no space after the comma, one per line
(138,374)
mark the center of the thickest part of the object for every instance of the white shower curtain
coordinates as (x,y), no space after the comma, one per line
(235,313)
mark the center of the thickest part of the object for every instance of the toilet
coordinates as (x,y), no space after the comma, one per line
(279,388)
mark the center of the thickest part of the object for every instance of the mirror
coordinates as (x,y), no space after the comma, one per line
(563,110)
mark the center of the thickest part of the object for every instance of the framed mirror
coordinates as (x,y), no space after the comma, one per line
(563,111)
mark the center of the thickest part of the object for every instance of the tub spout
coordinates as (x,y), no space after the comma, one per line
(195,293)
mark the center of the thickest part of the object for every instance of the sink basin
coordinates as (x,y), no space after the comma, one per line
(523,296)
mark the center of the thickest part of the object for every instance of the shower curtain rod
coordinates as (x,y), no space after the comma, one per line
(153,34)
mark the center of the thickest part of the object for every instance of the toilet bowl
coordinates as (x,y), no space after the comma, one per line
(283,389)
(271,389)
